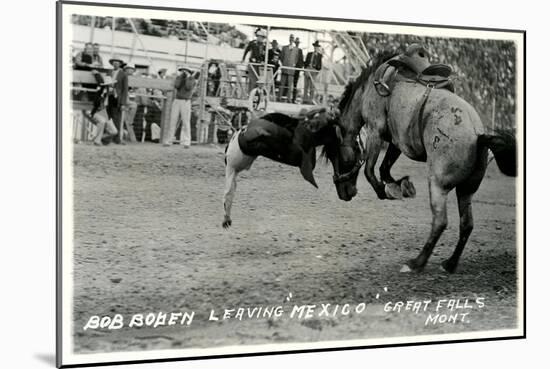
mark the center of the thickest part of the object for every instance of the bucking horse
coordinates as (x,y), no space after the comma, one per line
(282,138)
(409,103)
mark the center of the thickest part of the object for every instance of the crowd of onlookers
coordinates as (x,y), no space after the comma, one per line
(115,102)
(225,34)
(484,74)
(484,70)
(289,61)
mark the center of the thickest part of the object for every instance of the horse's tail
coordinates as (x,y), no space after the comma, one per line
(504,148)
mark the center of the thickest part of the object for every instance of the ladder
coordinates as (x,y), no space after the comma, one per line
(354,48)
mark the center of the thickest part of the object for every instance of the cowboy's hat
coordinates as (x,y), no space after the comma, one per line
(261,32)
(114,59)
(183,67)
(129,65)
(316,43)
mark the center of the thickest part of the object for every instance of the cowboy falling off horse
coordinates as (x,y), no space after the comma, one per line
(402,100)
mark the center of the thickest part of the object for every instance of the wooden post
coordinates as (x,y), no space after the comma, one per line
(266,86)
(202,92)
(186,43)
(165,128)
(83,127)
(133,48)
(113,37)
(494,103)
(92,29)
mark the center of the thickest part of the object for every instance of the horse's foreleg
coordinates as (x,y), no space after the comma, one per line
(373,146)
(466,227)
(395,189)
(438,203)
(392,154)
(229,193)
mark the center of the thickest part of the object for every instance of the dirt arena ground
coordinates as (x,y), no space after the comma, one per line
(148,238)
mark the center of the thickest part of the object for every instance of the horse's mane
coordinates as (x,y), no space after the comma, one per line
(376,61)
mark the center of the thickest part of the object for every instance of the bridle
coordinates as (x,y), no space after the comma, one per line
(343,177)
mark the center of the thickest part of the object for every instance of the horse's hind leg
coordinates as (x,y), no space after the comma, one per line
(466,227)
(229,193)
(438,203)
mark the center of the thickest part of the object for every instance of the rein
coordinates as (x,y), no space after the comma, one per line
(342,177)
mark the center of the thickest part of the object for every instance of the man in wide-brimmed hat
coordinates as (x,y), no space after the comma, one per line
(116,62)
(313,64)
(118,99)
(181,107)
(130,69)
(257,56)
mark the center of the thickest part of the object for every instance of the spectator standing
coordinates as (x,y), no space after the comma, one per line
(130,69)
(142,102)
(299,64)
(184,86)
(214,77)
(274,59)
(84,59)
(118,98)
(289,57)
(256,48)
(314,62)
(103,122)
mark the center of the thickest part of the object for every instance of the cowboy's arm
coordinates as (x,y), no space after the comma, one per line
(246,50)
(178,82)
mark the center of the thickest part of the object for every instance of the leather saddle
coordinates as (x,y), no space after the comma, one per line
(412,66)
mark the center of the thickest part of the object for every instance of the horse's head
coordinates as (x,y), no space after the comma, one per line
(345,172)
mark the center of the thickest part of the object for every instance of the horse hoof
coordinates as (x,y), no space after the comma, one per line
(226,223)
(412,266)
(393,191)
(447,267)
(407,188)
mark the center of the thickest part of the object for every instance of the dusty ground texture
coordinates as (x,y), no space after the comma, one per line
(148,238)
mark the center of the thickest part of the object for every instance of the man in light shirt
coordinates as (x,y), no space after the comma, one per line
(181,107)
